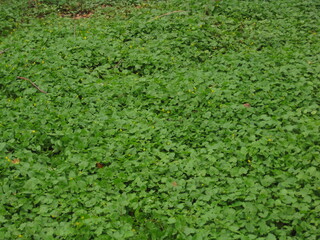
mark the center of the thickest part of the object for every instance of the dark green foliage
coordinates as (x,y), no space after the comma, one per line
(14,14)
(198,124)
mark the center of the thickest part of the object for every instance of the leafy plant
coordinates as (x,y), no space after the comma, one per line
(161,120)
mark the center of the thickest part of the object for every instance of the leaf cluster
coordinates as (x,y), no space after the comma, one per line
(200,124)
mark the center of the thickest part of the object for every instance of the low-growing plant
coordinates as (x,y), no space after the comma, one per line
(161,120)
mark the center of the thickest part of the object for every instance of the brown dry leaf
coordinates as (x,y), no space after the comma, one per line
(247,105)
(83,15)
(100,165)
(16,161)
(174,184)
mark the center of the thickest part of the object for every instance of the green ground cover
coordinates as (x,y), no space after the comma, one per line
(160,120)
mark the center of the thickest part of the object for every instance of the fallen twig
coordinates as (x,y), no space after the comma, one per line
(118,63)
(166,14)
(3,51)
(33,84)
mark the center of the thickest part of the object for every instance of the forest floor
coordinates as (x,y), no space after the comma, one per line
(161,120)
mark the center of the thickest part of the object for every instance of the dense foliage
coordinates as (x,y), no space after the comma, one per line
(162,120)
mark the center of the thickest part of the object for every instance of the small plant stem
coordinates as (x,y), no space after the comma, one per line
(3,51)
(33,84)
(166,14)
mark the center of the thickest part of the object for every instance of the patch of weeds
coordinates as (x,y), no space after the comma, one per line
(171,120)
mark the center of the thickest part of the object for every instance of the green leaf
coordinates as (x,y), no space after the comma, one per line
(2,146)
(271,237)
